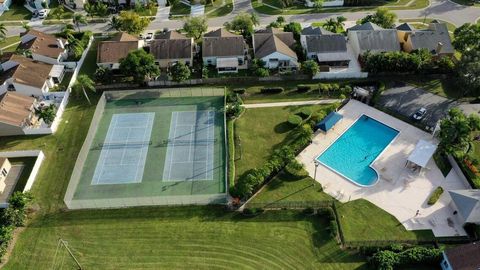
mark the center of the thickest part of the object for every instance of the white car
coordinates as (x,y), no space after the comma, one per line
(420,114)
(149,37)
(42,14)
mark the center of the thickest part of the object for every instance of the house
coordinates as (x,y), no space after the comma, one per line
(171,47)
(109,53)
(27,76)
(224,50)
(5,167)
(369,37)
(43,47)
(466,204)
(463,257)
(16,113)
(327,48)
(38,4)
(275,48)
(436,39)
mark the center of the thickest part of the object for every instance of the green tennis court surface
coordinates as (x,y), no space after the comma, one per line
(149,149)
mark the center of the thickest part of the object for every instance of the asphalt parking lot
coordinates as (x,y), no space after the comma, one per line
(406,100)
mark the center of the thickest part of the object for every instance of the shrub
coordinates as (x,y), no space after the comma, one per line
(252,211)
(271,90)
(389,259)
(262,72)
(295,120)
(309,211)
(435,196)
(327,213)
(305,112)
(333,228)
(303,88)
(239,91)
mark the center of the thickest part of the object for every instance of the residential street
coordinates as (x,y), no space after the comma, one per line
(438,9)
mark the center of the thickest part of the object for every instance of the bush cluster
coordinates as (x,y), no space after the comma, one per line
(329,214)
(295,120)
(11,217)
(303,88)
(233,109)
(391,259)
(252,211)
(435,196)
(271,90)
(420,61)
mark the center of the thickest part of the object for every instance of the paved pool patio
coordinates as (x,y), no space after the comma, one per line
(400,191)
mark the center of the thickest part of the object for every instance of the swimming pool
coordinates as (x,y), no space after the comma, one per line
(357,148)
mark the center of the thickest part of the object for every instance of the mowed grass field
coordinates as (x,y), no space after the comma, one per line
(183,238)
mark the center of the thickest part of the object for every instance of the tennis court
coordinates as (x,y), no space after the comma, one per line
(190,146)
(153,147)
(124,152)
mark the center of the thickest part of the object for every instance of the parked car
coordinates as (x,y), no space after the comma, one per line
(149,37)
(42,14)
(420,114)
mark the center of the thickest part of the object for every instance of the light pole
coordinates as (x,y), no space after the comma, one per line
(315,174)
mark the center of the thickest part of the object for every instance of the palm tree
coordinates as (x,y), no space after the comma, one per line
(330,25)
(83,84)
(3,31)
(68,31)
(341,22)
(79,19)
(255,19)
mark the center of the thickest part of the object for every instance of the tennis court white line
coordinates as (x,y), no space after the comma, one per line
(173,146)
(108,137)
(143,148)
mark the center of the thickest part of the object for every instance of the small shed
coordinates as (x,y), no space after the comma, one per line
(329,121)
(422,153)
(467,203)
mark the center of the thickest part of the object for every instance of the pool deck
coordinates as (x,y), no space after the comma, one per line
(400,191)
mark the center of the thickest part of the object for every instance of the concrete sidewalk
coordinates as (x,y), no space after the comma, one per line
(291,103)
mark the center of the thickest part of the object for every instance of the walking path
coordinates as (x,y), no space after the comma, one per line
(291,103)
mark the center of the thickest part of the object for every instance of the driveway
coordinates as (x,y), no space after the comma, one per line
(406,100)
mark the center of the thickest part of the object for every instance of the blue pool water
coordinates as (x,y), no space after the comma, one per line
(353,152)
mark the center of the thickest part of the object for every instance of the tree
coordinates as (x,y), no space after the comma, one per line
(47,113)
(331,25)
(180,72)
(456,129)
(67,31)
(79,19)
(101,9)
(467,37)
(243,23)
(280,20)
(195,27)
(295,28)
(26,26)
(84,84)
(139,64)
(3,31)
(310,67)
(115,23)
(103,75)
(131,22)
(90,9)
(468,69)
(58,12)
(318,4)
(382,17)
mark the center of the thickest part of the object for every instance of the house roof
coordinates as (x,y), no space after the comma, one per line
(405,27)
(15,108)
(122,36)
(27,72)
(222,43)
(468,203)
(171,45)
(311,31)
(3,160)
(113,51)
(42,44)
(384,40)
(272,40)
(365,27)
(326,43)
(329,121)
(464,257)
(430,39)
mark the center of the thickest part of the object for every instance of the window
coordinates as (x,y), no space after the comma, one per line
(4,172)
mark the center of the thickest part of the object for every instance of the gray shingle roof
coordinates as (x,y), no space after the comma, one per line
(384,40)
(405,27)
(464,257)
(269,41)
(468,203)
(326,43)
(429,39)
(365,27)
(171,45)
(311,31)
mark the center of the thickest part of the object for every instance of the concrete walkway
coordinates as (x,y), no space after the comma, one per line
(291,103)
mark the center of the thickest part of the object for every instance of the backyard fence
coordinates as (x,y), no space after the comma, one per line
(291,204)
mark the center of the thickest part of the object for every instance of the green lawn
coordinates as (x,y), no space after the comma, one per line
(179,9)
(27,163)
(9,42)
(260,131)
(16,13)
(299,8)
(360,219)
(422,23)
(219,8)
(182,238)
(321,24)
(90,64)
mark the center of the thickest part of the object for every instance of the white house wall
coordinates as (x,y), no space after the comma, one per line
(29,90)
(279,57)
(214,59)
(45,59)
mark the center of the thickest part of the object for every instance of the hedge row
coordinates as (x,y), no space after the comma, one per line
(271,90)
(391,259)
